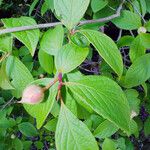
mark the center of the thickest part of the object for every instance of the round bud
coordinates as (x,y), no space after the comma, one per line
(13,136)
(142,30)
(32,94)
(133,114)
(41,76)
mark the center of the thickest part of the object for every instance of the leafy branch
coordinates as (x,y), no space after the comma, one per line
(48,25)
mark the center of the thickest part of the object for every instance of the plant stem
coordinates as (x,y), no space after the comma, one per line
(4,57)
(50,84)
(59,96)
(8,103)
(117,14)
(48,25)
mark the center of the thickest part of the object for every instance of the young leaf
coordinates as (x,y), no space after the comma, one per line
(105,97)
(70,11)
(124,22)
(71,133)
(47,5)
(27,129)
(29,38)
(139,46)
(138,72)
(6,42)
(52,40)
(46,61)
(106,48)
(69,57)
(97,5)
(20,75)
(34,3)
(105,129)
(45,106)
(109,144)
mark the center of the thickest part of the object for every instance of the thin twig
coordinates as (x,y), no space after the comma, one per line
(8,103)
(117,14)
(4,57)
(23,28)
(131,33)
(48,25)
(120,34)
(50,84)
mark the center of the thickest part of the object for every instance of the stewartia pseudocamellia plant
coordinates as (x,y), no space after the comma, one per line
(88,96)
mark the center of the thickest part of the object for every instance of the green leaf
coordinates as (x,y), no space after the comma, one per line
(39,144)
(52,40)
(105,129)
(148,5)
(46,61)
(147,127)
(70,102)
(138,72)
(139,46)
(70,11)
(105,97)
(6,42)
(19,74)
(97,5)
(125,41)
(132,97)
(55,109)
(136,7)
(69,57)
(29,38)
(129,145)
(121,144)
(7,123)
(48,4)
(34,3)
(147,26)
(17,144)
(44,8)
(45,106)
(71,133)
(142,7)
(124,22)
(80,40)
(106,48)
(51,125)
(1,1)
(27,129)
(4,80)
(27,145)
(137,49)
(134,128)
(109,144)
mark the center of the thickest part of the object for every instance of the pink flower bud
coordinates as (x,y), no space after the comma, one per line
(32,94)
